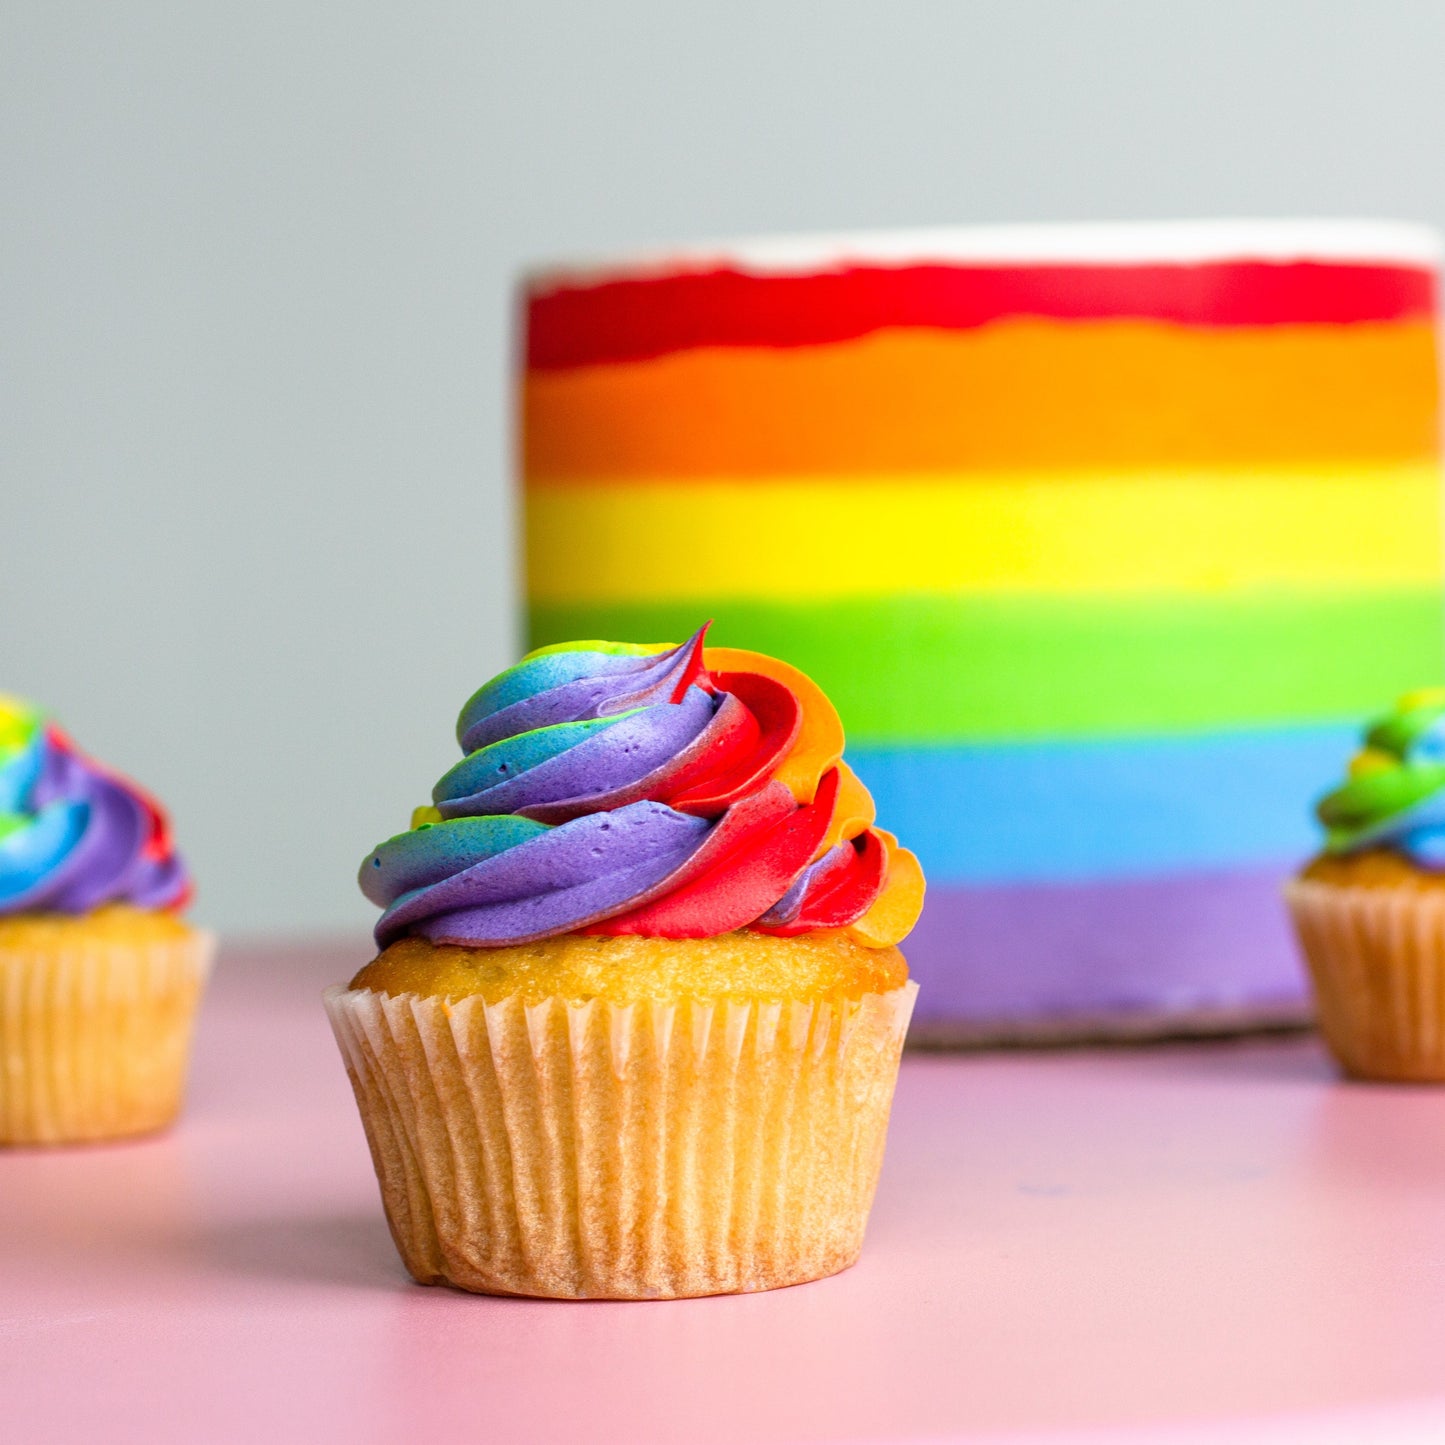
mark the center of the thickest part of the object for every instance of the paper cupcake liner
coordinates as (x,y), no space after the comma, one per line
(1377,958)
(95,1036)
(641,1151)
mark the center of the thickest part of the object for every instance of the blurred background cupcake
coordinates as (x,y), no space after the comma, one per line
(1370,910)
(99,976)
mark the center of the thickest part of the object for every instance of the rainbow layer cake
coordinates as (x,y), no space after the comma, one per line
(1102,538)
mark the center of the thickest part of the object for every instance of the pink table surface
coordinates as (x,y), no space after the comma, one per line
(1180,1243)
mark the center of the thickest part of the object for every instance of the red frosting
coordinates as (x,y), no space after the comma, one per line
(769,833)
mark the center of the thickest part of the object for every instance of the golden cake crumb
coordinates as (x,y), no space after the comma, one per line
(112,923)
(1376,868)
(628,969)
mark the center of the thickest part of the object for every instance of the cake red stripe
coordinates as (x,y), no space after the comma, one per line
(630,320)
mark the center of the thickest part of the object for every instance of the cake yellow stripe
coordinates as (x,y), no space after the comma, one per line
(1025,393)
(1173,531)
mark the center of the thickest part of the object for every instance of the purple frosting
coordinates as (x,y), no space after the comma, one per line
(816,878)
(552,821)
(72,834)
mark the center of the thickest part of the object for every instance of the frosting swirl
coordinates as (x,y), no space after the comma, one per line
(1394,796)
(678,792)
(73,834)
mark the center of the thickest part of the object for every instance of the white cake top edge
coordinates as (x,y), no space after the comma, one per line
(1120,243)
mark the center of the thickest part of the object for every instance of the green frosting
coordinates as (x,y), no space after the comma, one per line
(1394,796)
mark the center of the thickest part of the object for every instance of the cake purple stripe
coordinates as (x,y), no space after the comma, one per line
(1196,949)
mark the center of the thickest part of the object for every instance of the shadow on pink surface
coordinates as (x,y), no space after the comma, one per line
(339,1251)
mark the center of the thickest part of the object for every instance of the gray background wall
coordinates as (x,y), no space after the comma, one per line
(255,545)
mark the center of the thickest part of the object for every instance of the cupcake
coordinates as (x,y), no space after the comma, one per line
(1370,910)
(99,977)
(635,1022)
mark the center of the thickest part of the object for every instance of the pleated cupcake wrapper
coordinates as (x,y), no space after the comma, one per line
(95,1037)
(641,1151)
(1377,958)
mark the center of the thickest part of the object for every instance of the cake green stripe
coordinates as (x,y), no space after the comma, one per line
(945,668)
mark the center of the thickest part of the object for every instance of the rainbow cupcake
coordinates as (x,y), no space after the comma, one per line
(1370,910)
(99,977)
(635,1023)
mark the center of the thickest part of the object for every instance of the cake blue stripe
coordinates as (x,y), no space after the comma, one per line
(1122,808)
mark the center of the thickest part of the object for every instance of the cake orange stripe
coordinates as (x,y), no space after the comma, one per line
(1025,394)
